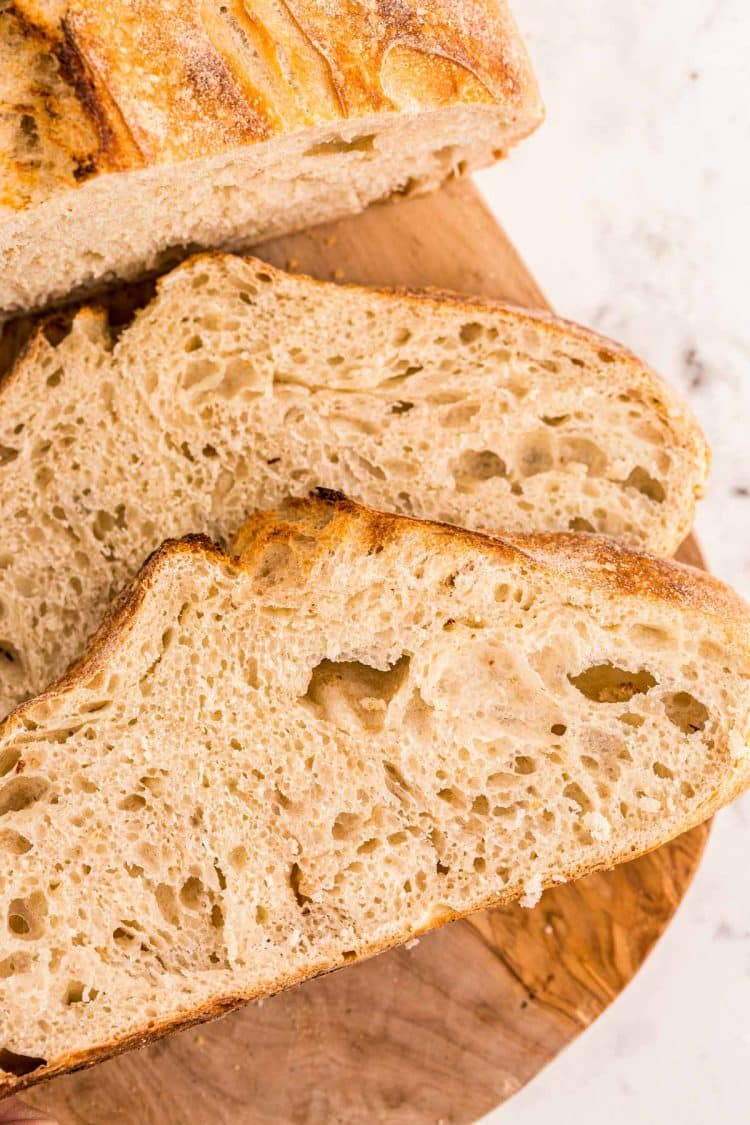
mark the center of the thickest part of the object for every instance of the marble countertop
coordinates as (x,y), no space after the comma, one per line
(632,208)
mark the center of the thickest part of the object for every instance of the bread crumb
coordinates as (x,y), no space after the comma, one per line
(598,825)
(292,264)
(532,893)
(411,943)
(338,275)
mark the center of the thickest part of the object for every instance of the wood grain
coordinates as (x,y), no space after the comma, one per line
(451,1028)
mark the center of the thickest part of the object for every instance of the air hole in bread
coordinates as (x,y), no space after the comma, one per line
(7,454)
(238,858)
(105,522)
(535,454)
(523,764)
(647,485)
(555,419)
(558,729)
(363,143)
(476,466)
(397,783)
(578,523)
(26,916)
(134,802)
(583,451)
(19,1065)
(154,784)
(606,683)
(471,332)
(370,468)
(686,712)
(9,759)
(21,793)
(13,843)
(354,695)
(93,707)
(459,415)
(452,797)
(14,964)
(345,825)
(295,880)
(632,719)
(78,993)
(166,900)
(11,664)
(575,793)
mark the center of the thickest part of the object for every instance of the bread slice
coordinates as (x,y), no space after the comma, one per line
(240,384)
(134,130)
(267,767)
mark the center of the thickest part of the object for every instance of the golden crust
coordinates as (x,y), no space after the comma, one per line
(330,518)
(590,562)
(123,84)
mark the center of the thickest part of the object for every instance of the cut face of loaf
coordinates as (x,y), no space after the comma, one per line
(240,384)
(132,133)
(266,768)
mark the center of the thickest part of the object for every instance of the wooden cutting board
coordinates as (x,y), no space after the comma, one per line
(449,1029)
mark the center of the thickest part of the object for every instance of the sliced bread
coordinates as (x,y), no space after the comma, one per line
(240,384)
(267,767)
(132,130)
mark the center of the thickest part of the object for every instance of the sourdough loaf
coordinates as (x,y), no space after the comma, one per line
(133,129)
(240,384)
(267,767)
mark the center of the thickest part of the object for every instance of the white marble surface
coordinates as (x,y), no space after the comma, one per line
(632,207)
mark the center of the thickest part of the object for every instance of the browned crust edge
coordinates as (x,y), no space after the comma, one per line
(483,40)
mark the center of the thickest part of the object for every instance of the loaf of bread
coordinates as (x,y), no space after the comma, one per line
(134,130)
(240,384)
(266,767)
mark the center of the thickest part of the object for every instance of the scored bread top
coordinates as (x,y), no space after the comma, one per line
(593,562)
(123,84)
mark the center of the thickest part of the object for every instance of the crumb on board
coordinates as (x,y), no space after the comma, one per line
(532,889)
